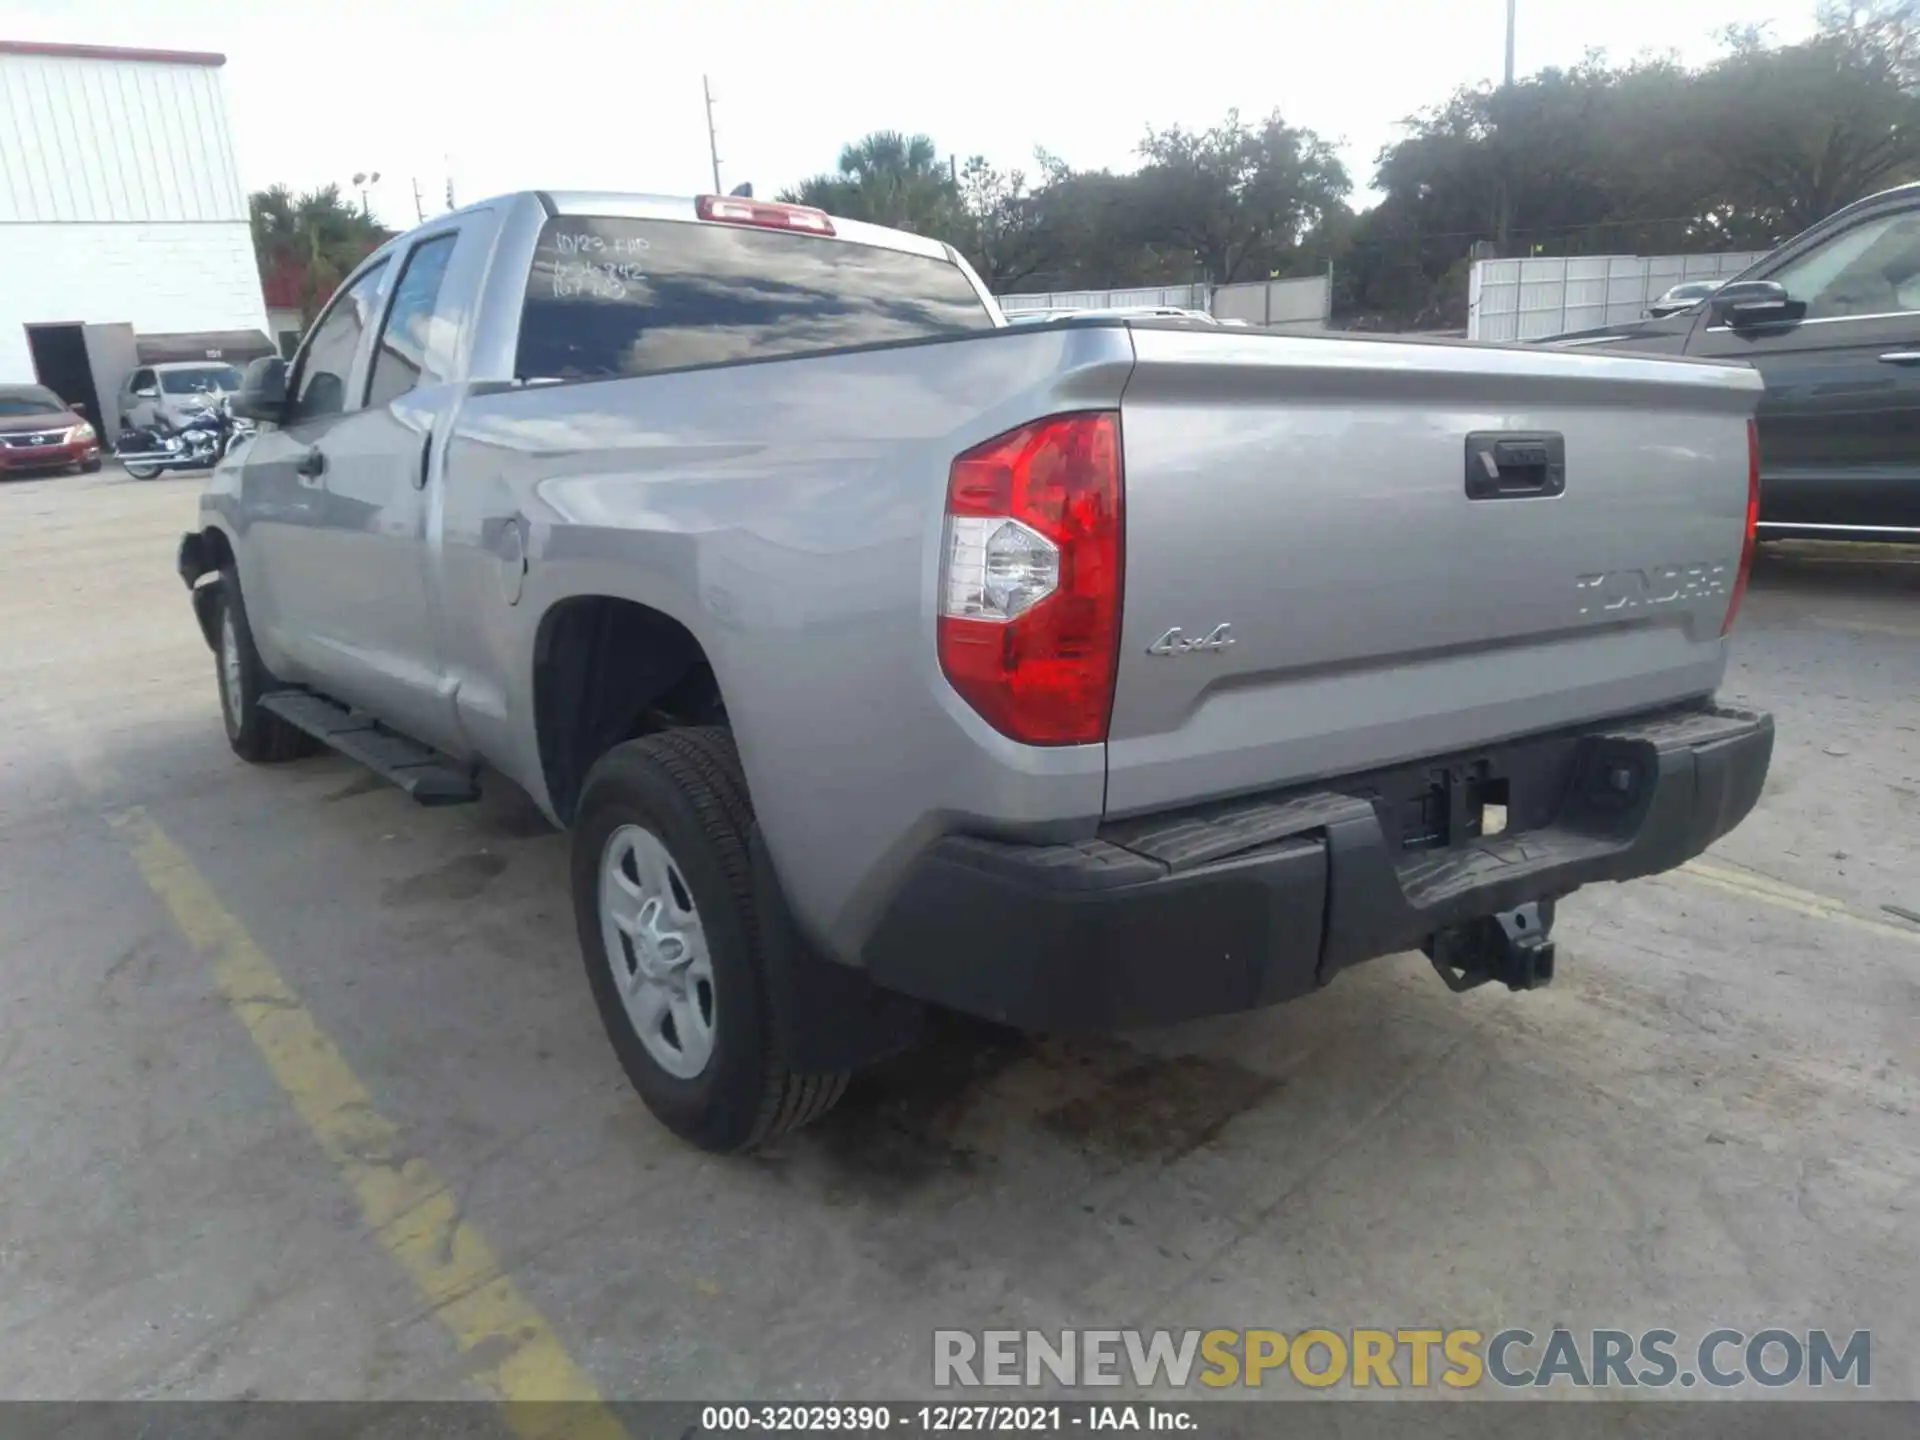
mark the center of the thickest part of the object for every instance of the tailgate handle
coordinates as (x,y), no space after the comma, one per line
(1511,466)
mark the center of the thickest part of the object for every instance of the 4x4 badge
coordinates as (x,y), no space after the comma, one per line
(1176,643)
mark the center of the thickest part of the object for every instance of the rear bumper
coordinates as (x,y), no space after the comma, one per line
(1252,901)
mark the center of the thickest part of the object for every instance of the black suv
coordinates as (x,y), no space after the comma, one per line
(1832,321)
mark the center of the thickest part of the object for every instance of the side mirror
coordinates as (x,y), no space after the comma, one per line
(263,390)
(147,392)
(1743,304)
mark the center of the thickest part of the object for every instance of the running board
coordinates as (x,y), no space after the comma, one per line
(428,776)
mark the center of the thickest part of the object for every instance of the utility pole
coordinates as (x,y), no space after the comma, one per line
(713,145)
(419,209)
(1503,220)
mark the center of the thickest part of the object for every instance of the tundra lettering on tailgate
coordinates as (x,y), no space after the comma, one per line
(1606,590)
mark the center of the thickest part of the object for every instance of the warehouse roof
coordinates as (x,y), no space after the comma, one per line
(110,52)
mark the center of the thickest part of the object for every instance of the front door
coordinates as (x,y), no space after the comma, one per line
(376,613)
(1840,422)
(287,572)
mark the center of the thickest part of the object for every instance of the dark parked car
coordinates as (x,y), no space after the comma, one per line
(1684,296)
(1832,322)
(39,431)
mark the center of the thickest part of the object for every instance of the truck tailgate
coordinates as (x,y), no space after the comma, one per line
(1312,495)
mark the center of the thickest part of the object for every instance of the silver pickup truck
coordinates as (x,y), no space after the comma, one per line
(879,654)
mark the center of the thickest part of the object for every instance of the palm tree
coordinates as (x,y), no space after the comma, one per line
(271,213)
(889,178)
(316,235)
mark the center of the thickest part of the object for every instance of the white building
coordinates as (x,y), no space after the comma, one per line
(123,225)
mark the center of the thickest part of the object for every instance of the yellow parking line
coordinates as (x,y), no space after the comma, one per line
(408,1207)
(412,1212)
(1789,897)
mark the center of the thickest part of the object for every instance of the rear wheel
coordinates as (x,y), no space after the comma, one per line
(256,735)
(664,903)
(142,472)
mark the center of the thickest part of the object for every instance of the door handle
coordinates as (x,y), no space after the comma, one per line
(1901,357)
(312,465)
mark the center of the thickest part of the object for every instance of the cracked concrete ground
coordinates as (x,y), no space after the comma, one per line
(1707,1120)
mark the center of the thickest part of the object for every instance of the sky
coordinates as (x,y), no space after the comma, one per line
(601,94)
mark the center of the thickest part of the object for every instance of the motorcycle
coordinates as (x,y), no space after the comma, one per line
(205,439)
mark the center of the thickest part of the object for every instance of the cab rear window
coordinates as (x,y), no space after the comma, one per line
(616,297)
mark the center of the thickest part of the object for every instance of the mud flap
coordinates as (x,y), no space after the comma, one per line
(826,1016)
(206,610)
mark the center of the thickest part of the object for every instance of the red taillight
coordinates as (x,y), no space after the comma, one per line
(1030,579)
(768,214)
(1753,526)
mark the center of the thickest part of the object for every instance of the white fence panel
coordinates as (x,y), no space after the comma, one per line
(1186,297)
(1549,295)
(1299,304)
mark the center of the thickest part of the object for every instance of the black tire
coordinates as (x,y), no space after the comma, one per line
(90,467)
(257,736)
(686,788)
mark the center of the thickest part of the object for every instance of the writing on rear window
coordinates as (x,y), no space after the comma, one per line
(609,297)
(600,267)
(600,279)
(572,242)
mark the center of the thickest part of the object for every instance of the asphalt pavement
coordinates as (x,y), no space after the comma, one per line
(304,1095)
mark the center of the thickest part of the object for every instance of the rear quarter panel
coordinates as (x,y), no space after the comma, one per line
(790,515)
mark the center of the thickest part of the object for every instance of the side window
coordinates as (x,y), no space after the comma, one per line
(1872,269)
(321,386)
(141,380)
(400,360)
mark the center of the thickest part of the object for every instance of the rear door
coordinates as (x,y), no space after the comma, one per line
(1840,424)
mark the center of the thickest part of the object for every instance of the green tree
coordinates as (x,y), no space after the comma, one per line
(889,178)
(1801,130)
(1005,240)
(1647,158)
(1091,235)
(316,236)
(1237,198)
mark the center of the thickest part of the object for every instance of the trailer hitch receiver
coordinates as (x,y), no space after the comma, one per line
(1511,946)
